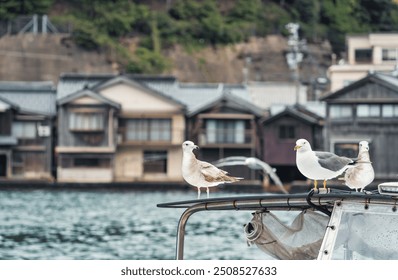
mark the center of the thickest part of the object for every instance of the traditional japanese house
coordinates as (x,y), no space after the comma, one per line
(27,120)
(365,110)
(136,136)
(226,126)
(279,134)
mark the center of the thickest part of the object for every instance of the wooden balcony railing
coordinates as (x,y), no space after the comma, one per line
(230,137)
(173,136)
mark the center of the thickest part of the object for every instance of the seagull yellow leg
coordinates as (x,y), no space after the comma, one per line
(315,184)
(324,184)
(208,194)
(198,192)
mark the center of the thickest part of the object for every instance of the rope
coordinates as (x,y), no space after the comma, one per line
(317,207)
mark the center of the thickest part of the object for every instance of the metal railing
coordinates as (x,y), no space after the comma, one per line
(322,201)
(33,24)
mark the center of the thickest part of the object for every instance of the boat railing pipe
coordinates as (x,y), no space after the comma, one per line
(322,202)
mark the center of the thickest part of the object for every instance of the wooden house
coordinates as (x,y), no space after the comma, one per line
(279,133)
(226,126)
(86,137)
(366,110)
(27,112)
(117,129)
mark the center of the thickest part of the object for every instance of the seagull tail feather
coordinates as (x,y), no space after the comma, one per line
(230,179)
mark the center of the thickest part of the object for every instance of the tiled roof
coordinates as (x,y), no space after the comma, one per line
(193,95)
(8,140)
(198,95)
(388,78)
(35,97)
(267,94)
(379,78)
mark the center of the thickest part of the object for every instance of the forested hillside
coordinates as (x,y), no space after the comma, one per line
(156,26)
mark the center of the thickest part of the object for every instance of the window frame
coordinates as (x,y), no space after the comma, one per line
(340,114)
(148,129)
(89,121)
(225,131)
(286,132)
(155,166)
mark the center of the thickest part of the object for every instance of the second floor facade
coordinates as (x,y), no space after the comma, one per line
(374,52)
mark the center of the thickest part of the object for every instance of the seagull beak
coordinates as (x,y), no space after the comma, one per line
(196,147)
(297,147)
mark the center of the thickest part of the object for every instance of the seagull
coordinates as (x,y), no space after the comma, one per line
(362,173)
(202,174)
(255,164)
(319,165)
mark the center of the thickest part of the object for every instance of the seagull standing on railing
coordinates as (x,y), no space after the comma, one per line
(319,165)
(362,173)
(202,174)
(255,164)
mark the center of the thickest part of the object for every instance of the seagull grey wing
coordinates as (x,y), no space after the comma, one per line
(331,161)
(229,161)
(324,155)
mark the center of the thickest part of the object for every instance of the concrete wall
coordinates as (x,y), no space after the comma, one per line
(85,175)
(28,57)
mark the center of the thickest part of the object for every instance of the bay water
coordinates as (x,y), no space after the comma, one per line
(115,224)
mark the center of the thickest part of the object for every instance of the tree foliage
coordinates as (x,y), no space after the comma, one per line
(10,9)
(101,24)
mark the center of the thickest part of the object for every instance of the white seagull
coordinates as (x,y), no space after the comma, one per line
(255,164)
(362,173)
(319,165)
(202,174)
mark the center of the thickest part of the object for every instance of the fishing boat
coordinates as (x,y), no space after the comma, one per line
(328,223)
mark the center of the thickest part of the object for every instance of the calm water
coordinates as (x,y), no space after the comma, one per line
(59,224)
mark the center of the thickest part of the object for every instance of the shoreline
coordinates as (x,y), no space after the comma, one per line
(251,187)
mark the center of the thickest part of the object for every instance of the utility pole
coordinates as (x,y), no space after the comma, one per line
(294,57)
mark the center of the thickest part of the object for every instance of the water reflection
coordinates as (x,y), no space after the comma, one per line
(59,224)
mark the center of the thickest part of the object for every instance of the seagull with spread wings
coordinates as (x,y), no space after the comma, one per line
(200,173)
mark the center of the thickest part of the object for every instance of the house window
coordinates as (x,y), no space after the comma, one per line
(148,130)
(340,111)
(23,162)
(91,162)
(389,111)
(24,130)
(5,123)
(287,132)
(86,121)
(225,131)
(363,55)
(368,111)
(389,54)
(349,150)
(155,161)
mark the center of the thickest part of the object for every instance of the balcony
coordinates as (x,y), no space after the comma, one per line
(227,138)
(150,137)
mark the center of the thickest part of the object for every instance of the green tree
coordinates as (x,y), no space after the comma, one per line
(309,17)
(11,8)
(378,14)
(341,18)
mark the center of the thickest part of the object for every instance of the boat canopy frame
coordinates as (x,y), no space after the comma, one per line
(320,200)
